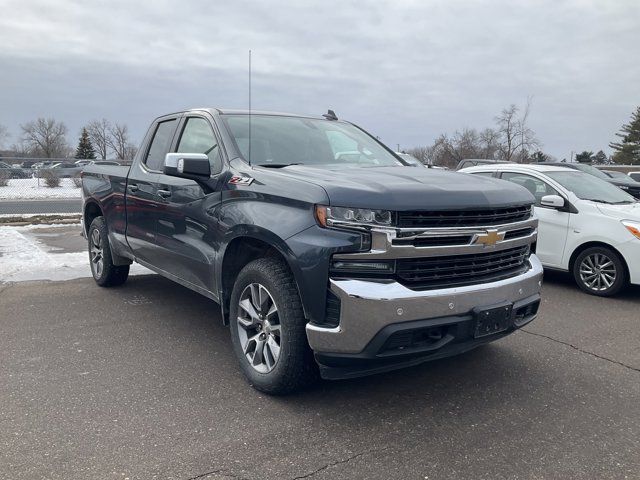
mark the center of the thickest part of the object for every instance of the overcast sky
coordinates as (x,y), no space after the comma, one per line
(406,71)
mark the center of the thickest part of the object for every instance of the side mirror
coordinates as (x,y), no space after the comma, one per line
(187,165)
(553,201)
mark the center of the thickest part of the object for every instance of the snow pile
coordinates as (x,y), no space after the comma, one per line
(24,258)
(28,189)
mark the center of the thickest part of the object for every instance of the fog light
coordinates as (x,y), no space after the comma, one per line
(363,267)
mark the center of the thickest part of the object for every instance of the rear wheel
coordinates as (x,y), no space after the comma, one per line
(104,272)
(599,271)
(268,328)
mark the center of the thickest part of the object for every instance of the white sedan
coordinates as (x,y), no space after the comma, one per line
(587,226)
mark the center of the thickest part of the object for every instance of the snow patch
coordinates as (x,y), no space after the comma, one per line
(23,258)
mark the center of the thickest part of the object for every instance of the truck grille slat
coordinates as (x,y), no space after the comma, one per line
(458,218)
(459,270)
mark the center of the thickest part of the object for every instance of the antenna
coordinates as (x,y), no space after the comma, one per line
(249,107)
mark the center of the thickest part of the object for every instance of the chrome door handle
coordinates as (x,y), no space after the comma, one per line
(132,187)
(164,193)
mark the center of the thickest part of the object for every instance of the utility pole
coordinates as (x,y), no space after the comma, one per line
(398,147)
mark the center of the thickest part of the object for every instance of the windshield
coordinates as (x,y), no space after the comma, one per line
(280,141)
(588,187)
(592,171)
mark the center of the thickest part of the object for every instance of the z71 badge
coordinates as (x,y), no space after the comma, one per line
(238,180)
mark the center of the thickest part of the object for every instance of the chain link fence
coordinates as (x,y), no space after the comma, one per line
(41,186)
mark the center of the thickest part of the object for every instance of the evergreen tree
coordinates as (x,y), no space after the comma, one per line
(584,157)
(628,150)
(600,158)
(539,157)
(85,149)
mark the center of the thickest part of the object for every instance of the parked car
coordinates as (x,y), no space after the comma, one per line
(471,162)
(627,184)
(635,176)
(587,226)
(61,169)
(616,174)
(13,172)
(323,253)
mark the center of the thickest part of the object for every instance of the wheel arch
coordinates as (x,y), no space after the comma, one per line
(91,211)
(241,250)
(584,246)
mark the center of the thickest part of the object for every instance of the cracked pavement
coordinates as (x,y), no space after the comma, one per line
(140,382)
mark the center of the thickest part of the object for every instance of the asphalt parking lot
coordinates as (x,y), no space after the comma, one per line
(140,382)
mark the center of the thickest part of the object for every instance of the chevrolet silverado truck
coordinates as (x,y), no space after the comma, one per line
(325,253)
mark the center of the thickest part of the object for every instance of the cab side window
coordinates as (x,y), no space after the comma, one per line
(537,187)
(483,174)
(160,145)
(197,137)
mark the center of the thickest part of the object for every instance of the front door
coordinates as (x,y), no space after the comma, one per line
(184,236)
(553,226)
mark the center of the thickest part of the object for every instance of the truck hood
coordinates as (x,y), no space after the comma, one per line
(405,188)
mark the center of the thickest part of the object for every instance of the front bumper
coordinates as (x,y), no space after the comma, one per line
(367,308)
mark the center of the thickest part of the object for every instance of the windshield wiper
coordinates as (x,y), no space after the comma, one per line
(277,165)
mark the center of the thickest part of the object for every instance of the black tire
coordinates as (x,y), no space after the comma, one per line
(104,272)
(295,367)
(600,271)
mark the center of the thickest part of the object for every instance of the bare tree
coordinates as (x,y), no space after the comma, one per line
(45,137)
(118,140)
(516,138)
(4,135)
(489,143)
(99,134)
(130,152)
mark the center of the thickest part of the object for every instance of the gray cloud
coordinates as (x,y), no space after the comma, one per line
(406,71)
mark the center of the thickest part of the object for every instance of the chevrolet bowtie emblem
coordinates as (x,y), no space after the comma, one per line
(490,238)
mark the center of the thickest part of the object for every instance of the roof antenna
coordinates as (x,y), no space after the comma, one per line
(330,115)
(249,107)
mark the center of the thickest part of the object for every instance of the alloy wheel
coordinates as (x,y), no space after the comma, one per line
(259,328)
(95,251)
(598,272)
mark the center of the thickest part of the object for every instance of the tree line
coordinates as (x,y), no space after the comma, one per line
(512,140)
(47,138)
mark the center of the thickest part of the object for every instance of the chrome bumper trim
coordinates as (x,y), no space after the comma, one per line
(368,306)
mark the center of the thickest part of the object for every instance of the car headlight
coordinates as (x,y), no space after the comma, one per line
(633,227)
(353,217)
(623,187)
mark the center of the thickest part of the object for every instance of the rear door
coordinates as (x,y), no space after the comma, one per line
(142,190)
(184,227)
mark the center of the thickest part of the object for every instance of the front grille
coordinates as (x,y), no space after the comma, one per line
(463,218)
(460,270)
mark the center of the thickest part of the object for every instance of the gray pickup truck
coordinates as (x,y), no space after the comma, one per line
(326,254)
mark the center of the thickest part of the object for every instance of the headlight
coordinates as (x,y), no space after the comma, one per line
(623,187)
(356,217)
(633,227)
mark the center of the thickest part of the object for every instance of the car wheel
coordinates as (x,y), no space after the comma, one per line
(600,271)
(104,272)
(268,328)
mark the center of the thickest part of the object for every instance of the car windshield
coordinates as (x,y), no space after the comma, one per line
(590,169)
(278,141)
(588,187)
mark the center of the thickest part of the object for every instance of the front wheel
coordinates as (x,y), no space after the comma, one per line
(599,271)
(104,272)
(268,328)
